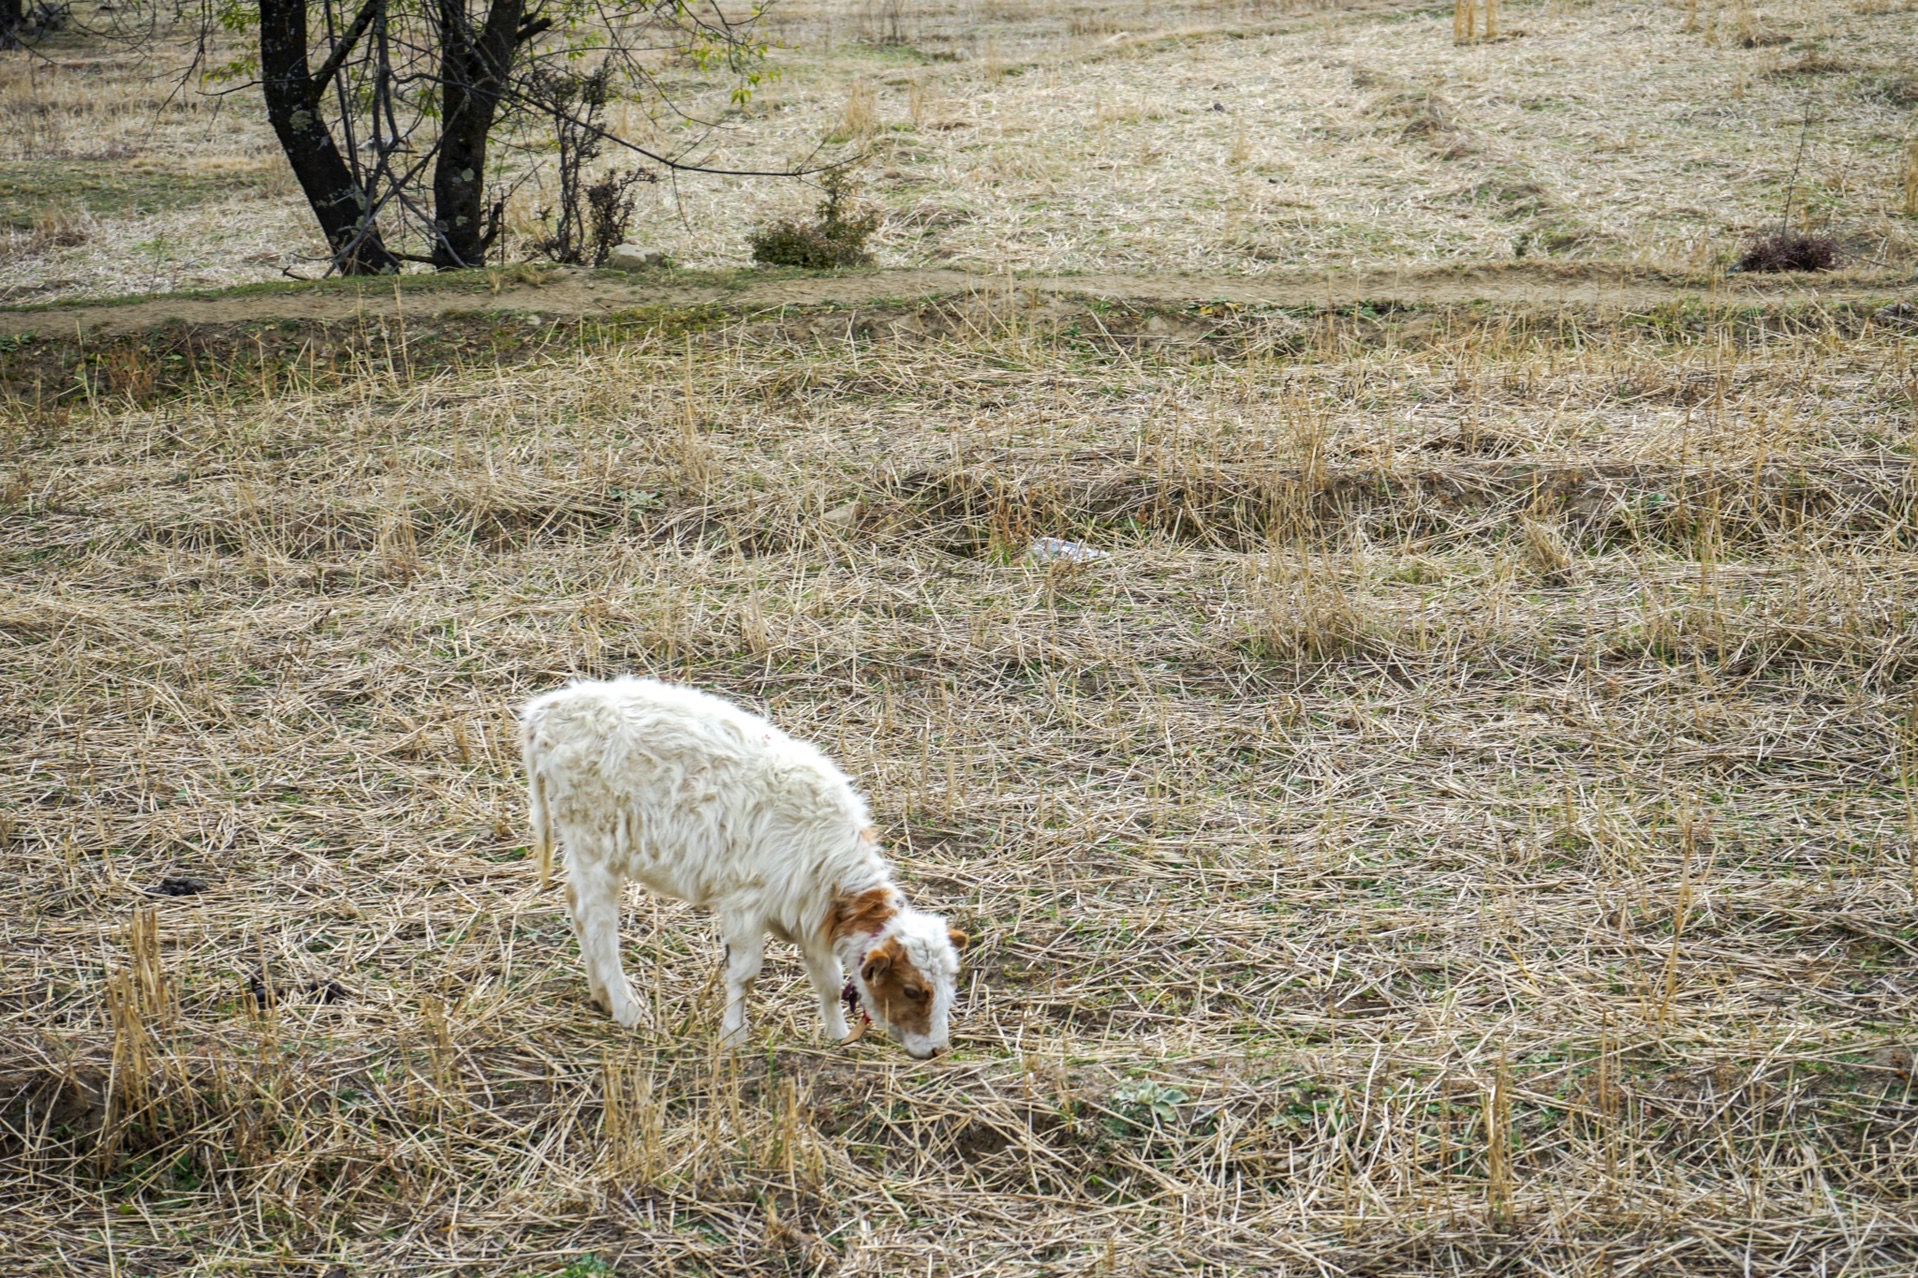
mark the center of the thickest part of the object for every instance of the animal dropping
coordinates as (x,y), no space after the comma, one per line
(637,780)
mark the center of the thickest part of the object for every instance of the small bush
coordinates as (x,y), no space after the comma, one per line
(836,238)
(592,218)
(609,212)
(61,228)
(1789,251)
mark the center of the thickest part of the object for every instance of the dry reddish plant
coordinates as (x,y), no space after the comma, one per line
(1789,251)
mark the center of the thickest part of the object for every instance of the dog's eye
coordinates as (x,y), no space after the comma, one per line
(915,993)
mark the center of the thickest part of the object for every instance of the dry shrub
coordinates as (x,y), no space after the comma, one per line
(1474,20)
(52,229)
(884,23)
(1305,613)
(1789,251)
(1813,63)
(1747,34)
(1425,113)
(609,212)
(1428,117)
(61,228)
(1548,550)
(861,118)
(995,64)
(836,237)
(592,218)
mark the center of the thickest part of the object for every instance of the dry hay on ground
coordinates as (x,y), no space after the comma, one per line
(1105,135)
(1464,826)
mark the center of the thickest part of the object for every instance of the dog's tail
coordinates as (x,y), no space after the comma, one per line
(536,810)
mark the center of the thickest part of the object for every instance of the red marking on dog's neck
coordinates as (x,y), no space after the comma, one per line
(855,921)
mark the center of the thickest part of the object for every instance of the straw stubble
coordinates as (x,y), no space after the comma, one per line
(1467,814)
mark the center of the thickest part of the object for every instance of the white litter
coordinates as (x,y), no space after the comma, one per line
(1046,550)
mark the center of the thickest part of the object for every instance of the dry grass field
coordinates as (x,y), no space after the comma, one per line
(1103,135)
(1465,825)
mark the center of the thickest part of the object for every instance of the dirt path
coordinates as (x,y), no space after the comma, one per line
(574,294)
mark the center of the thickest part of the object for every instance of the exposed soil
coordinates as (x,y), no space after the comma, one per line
(573,294)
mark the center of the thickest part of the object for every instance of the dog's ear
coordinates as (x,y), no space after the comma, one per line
(959,939)
(877,964)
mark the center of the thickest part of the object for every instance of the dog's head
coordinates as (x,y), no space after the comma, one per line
(907,980)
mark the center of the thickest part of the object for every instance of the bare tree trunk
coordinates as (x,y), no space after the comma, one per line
(473,71)
(292,105)
(12,18)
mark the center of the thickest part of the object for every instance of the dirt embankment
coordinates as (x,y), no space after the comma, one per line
(577,294)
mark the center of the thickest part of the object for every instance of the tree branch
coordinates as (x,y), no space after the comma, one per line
(531,27)
(341,50)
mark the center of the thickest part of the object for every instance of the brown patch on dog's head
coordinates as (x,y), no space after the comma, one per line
(859,914)
(896,990)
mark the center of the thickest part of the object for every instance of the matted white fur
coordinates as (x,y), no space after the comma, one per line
(700,800)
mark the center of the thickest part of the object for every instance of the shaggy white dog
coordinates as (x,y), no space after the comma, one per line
(700,800)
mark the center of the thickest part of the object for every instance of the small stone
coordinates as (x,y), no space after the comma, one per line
(636,257)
